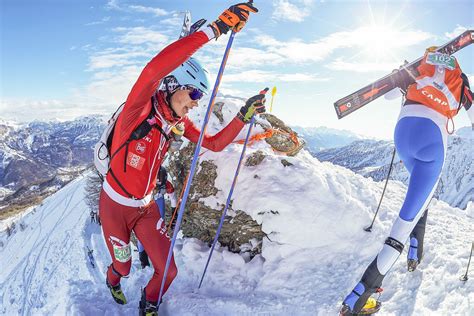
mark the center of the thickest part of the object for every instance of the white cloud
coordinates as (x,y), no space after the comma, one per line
(115,58)
(297,11)
(155,11)
(115,5)
(140,35)
(26,110)
(457,31)
(362,67)
(265,76)
(175,21)
(101,21)
(298,51)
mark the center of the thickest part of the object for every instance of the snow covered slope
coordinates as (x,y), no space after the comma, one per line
(316,250)
(371,158)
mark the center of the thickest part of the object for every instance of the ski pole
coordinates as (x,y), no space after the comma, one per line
(234,182)
(194,161)
(369,228)
(464,277)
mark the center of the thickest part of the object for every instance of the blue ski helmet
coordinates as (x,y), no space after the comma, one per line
(192,73)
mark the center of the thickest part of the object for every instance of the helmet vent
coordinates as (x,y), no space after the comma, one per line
(204,86)
(189,73)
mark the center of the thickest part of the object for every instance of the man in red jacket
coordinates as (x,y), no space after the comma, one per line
(169,86)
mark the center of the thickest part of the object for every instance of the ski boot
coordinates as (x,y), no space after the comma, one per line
(372,306)
(117,293)
(147,308)
(412,258)
(144,259)
(358,295)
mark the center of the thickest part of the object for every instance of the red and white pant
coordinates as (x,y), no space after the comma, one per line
(117,222)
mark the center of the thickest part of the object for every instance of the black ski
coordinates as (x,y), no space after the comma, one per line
(367,94)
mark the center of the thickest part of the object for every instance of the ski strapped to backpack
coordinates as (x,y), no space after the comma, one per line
(102,149)
(369,93)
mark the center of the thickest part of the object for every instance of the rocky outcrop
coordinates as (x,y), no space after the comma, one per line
(239,233)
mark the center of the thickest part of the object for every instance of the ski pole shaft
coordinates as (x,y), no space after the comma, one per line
(369,228)
(252,121)
(464,277)
(194,162)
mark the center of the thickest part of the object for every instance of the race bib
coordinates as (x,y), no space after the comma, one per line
(443,60)
(122,253)
(122,250)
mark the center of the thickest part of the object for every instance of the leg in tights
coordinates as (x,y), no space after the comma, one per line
(420,145)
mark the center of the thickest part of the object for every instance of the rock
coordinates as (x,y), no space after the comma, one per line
(286,163)
(255,159)
(217,110)
(201,221)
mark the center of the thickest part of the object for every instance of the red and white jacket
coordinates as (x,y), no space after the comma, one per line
(134,168)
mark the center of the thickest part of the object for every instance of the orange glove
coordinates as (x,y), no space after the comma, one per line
(233,18)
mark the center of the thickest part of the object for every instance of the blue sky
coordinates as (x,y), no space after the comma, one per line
(62,59)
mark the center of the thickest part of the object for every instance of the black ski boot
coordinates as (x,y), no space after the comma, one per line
(360,295)
(144,259)
(147,308)
(372,306)
(412,259)
(417,236)
(117,293)
(412,264)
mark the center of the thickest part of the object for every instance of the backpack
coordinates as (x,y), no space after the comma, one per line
(102,149)
(103,146)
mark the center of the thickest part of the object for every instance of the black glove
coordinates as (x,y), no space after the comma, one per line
(255,104)
(233,18)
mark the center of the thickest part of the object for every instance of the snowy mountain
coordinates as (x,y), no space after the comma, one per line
(320,138)
(371,158)
(44,145)
(38,157)
(314,252)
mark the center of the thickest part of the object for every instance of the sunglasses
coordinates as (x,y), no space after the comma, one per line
(194,93)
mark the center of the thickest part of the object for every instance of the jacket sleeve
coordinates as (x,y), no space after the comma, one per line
(218,141)
(138,104)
